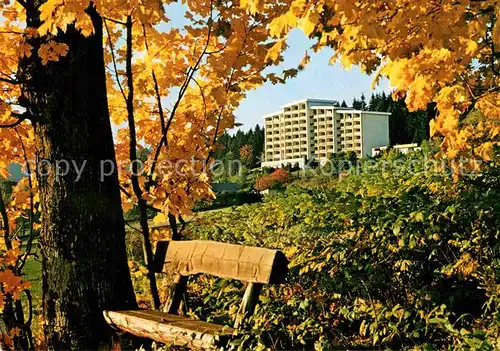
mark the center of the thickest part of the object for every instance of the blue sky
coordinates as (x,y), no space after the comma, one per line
(317,80)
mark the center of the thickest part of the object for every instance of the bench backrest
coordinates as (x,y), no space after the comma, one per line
(253,265)
(244,263)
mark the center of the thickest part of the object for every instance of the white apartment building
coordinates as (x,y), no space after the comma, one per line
(316,128)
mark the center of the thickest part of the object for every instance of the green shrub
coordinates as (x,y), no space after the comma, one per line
(387,258)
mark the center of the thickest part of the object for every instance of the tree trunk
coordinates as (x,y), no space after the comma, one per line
(82,238)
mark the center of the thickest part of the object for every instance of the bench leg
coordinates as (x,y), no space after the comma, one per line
(175,294)
(247,306)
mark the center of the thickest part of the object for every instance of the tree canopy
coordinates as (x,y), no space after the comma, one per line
(172,87)
(444,52)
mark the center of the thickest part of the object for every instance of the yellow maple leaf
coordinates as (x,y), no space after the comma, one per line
(305,61)
(282,24)
(52,51)
(275,51)
(308,23)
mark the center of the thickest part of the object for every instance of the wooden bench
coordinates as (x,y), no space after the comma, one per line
(254,265)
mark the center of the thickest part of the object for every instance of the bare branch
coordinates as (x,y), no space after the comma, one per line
(9,80)
(148,250)
(123,190)
(12,125)
(5,222)
(114,21)
(114,60)
(156,86)
(182,91)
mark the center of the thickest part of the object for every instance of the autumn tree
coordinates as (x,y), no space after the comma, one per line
(246,153)
(446,52)
(220,55)
(82,229)
(17,203)
(71,66)
(59,109)
(277,179)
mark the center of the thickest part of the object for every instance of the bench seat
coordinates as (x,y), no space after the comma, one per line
(255,266)
(169,328)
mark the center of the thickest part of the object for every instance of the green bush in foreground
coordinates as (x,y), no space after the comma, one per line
(389,258)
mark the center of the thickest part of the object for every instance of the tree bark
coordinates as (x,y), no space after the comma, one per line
(82,240)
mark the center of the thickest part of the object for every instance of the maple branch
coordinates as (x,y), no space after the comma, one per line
(156,86)
(469,88)
(123,190)
(494,54)
(202,93)
(12,125)
(114,61)
(228,86)
(114,21)
(164,140)
(23,3)
(5,222)
(185,85)
(133,228)
(147,247)
(8,80)
(218,50)
(27,324)
(11,32)
(29,244)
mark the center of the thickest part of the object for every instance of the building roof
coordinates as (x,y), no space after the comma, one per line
(325,101)
(329,101)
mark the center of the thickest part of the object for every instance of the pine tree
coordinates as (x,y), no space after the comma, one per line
(356,104)
(363,102)
(258,144)
(372,105)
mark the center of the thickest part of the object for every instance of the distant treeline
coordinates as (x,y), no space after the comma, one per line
(244,146)
(404,126)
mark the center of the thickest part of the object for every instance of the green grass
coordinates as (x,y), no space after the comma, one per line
(32,272)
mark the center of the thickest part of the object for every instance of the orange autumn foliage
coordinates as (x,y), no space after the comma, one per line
(446,52)
(278,178)
(188,75)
